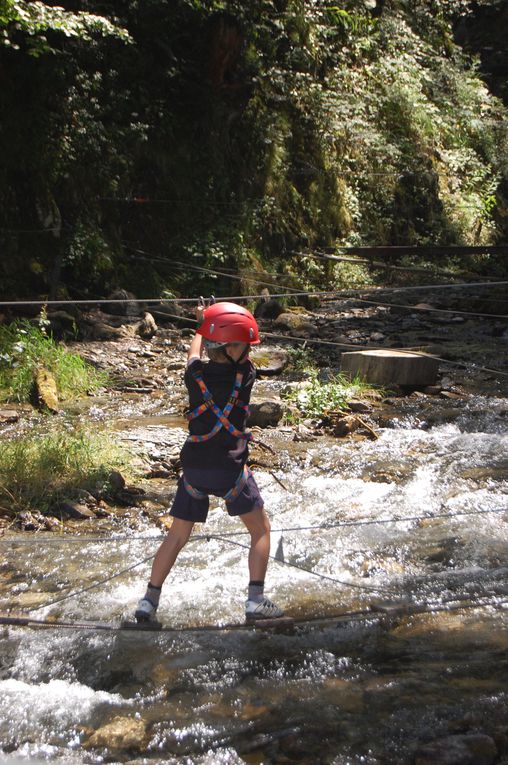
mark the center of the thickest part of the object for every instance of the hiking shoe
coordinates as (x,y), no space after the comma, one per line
(263,610)
(145,612)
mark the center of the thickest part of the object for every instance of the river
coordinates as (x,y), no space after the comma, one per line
(417,518)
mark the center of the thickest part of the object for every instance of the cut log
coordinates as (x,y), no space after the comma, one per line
(46,390)
(390,366)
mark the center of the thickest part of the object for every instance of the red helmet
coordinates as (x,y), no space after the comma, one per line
(229,323)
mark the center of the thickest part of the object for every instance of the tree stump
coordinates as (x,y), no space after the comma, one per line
(391,366)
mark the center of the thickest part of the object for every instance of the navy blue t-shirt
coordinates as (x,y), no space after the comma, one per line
(223,451)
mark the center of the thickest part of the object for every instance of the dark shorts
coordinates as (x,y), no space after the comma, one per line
(218,483)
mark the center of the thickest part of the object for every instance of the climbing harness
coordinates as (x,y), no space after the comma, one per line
(223,421)
(230,495)
(222,415)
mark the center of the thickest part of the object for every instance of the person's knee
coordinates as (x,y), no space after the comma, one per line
(179,533)
(258,523)
(266,521)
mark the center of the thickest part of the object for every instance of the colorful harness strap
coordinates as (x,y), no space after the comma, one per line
(222,415)
(230,495)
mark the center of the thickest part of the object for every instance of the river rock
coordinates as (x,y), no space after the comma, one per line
(360,407)
(62,324)
(147,327)
(74,509)
(120,733)
(8,415)
(116,480)
(297,324)
(466,749)
(265,413)
(129,305)
(268,362)
(268,308)
(344,425)
(102,331)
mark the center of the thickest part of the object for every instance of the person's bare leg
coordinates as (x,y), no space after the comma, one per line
(258,606)
(167,553)
(258,526)
(163,563)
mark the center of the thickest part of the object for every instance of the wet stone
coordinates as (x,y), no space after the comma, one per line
(76,510)
(467,749)
(8,415)
(265,413)
(120,733)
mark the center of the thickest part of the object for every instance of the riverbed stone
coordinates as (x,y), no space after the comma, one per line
(265,413)
(73,509)
(298,324)
(466,749)
(8,415)
(269,362)
(147,327)
(120,733)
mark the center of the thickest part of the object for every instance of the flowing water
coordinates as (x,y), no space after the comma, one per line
(400,519)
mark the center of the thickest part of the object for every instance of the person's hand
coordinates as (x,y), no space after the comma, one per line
(200,314)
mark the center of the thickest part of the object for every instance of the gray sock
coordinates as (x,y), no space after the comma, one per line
(256,591)
(153,594)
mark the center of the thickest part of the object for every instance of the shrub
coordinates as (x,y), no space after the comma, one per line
(317,398)
(38,472)
(24,347)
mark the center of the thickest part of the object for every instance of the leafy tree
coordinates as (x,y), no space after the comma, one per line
(31,21)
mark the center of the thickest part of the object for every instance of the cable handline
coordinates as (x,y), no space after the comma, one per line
(282,530)
(432,310)
(203,537)
(328,294)
(325,577)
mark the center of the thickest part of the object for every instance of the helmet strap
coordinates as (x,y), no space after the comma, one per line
(240,358)
(231,361)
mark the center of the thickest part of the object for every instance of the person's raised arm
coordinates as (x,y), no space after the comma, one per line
(196,346)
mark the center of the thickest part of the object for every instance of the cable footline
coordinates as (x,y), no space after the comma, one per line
(377,611)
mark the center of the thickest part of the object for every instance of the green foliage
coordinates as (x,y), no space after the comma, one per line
(349,22)
(34,19)
(233,133)
(317,398)
(24,347)
(36,472)
(300,359)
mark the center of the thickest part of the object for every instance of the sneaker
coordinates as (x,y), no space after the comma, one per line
(145,612)
(263,610)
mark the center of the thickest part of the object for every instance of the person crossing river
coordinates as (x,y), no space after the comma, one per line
(214,456)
